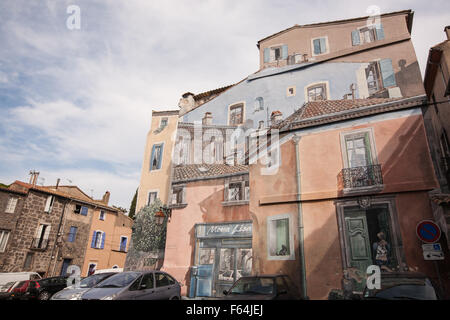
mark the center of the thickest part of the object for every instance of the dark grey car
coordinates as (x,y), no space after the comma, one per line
(136,285)
(74,293)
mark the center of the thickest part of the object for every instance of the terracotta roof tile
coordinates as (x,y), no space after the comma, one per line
(200,171)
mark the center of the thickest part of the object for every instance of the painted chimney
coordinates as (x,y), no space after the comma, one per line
(261,124)
(447,31)
(186,103)
(207,119)
(276,117)
(105,198)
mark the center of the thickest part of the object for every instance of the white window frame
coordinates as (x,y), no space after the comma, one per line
(373,29)
(327,88)
(373,148)
(120,243)
(11,205)
(152,191)
(2,237)
(101,239)
(100,215)
(183,194)
(243,112)
(326,43)
(271,236)
(162,144)
(49,204)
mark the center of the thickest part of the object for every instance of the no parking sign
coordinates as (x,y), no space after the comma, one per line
(428,231)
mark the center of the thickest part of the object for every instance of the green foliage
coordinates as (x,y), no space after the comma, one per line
(133,206)
(147,235)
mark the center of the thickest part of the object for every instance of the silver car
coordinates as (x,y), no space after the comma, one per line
(74,293)
(136,285)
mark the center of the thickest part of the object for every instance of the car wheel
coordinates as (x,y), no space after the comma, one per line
(44,295)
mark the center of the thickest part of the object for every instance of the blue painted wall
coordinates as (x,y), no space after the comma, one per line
(273,89)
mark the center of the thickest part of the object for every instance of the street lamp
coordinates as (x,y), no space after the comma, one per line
(162,214)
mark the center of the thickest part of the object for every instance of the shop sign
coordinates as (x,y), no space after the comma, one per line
(225,230)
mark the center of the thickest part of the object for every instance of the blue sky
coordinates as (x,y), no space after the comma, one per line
(76,104)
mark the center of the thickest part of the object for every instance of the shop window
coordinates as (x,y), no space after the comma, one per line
(244,262)
(236,114)
(206,256)
(226,266)
(11,205)
(280,238)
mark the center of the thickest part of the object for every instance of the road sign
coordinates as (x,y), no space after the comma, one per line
(428,231)
(432,247)
(433,255)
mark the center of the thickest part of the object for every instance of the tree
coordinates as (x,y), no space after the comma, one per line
(133,205)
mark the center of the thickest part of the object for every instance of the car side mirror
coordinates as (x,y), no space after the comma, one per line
(282,292)
(225,292)
(143,286)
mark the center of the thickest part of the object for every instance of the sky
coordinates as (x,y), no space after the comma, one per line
(76,104)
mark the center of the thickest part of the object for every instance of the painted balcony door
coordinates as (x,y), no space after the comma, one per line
(358,241)
(358,150)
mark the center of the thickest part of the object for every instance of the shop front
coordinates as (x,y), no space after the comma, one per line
(223,254)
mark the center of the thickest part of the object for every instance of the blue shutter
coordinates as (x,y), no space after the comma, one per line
(380,32)
(151,157)
(125,244)
(323,45)
(387,73)
(103,240)
(316,43)
(84,211)
(266,54)
(355,38)
(93,241)
(284,51)
(160,157)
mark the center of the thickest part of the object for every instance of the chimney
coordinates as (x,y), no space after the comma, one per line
(105,198)
(186,103)
(447,31)
(33,177)
(276,117)
(207,119)
(57,183)
(261,124)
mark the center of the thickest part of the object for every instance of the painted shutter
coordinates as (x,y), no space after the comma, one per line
(368,150)
(323,45)
(380,32)
(387,73)
(160,156)
(151,157)
(266,54)
(226,196)
(48,204)
(84,211)
(316,44)
(103,240)
(93,240)
(355,38)
(284,51)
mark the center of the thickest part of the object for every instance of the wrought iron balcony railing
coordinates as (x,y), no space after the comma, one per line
(39,243)
(365,176)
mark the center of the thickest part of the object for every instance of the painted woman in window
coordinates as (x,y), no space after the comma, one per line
(381,251)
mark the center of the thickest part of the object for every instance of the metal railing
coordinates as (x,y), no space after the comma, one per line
(365,176)
(39,243)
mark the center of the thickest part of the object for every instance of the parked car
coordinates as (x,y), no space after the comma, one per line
(402,286)
(24,290)
(49,286)
(74,293)
(136,285)
(263,287)
(6,290)
(6,277)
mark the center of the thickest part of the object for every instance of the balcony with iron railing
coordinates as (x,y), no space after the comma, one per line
(362,179)
(39,244)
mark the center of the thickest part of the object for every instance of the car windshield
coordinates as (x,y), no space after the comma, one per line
(91,281)
(409,289)
(253,286)
(119,280)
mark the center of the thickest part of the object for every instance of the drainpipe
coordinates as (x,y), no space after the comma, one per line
(301,248)
(56,242)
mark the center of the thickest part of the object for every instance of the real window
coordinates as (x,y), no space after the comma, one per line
(11,205)
(49,204)
(79,209)
(123,244)
(236,116)
(320,46)
(4,235)
(41,239)
(156,157)
(102,215)
(317,92)
(72,234)
(98,240)
(152,195)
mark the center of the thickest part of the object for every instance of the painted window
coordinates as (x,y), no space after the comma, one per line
(236,114)
(276,53)
(98,240)
(290,92)
(320,45)
(358,149)
(123,244)
(182,147)
(102,215)
(156,157)
(152,197)
(72,234)
(237,190)
(280,238)
(11,206)
(259,104)
(367,34)
(177,195)
(49,204)
(379,75)
(28,260)
(164,122)
(317,92)
(4,235)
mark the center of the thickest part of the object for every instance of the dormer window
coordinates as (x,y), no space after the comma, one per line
(367,34)
(275,53)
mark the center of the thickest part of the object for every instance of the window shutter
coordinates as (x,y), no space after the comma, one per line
(323,45)
(266,54)
(39,231)
(151,157)
(387,73)
(316,44)
(226,195)
(160,157)
(355,38)
(284,51)
(380,32)
(93,240)
(48,204)
(47,232)
(103,240)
